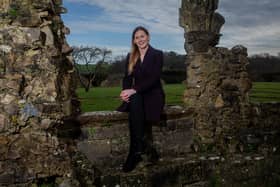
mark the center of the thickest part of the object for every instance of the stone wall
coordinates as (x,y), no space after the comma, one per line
(105,136)
(36,91)
(217,87)
(250,159)
(217,82)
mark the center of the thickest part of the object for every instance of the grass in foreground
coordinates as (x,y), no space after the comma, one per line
(98,99)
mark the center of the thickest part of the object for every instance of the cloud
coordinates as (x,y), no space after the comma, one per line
(118,50)
(253,24)
(157,15)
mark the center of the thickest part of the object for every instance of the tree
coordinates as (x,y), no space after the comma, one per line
(88,62)
(264,67)
(118,65)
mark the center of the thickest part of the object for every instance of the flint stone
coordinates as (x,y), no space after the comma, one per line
(13,85)
(46,123)
(28,20)
(5,48)
(33,34)
(66,30)
(44,14)
(2,121)
(4,6)
(43,5)
(58,2)
(66,48)
(18,36)
(11,109)
(49,40)
(8,99)
(63,10)
(49,108)
(239,49)
(219,102)
(29,110)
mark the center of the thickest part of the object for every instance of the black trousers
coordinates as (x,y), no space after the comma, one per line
(140,129)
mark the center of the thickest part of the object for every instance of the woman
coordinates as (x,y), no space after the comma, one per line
(142,96)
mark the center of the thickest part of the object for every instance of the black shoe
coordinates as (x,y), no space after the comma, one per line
(131,162)
(152,155)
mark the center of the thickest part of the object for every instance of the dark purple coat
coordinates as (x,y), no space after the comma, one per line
(145,79)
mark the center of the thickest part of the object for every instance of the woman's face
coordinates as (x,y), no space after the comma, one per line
(141,39)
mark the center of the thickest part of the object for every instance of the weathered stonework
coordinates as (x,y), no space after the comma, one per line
(217,82)
(105,136)
(37,91)
(253,158)
(201,24)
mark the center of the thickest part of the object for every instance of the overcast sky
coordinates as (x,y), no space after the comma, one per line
(109,23)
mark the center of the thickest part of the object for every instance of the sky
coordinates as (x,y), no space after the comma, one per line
(108,23)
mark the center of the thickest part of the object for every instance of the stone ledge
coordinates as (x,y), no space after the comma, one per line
(170,112)
(105,141)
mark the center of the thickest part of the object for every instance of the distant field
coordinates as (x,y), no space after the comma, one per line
(265,92)
(98,98)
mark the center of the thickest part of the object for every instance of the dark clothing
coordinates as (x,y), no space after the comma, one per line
(140,131)
(136,123)
(145,105)
(145,79)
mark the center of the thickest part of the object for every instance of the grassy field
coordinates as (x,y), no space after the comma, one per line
(98,99)
(265,92)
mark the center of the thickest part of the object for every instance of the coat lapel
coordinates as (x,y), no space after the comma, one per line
(147,56)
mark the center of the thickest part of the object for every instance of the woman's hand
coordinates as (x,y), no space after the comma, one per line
(125,94)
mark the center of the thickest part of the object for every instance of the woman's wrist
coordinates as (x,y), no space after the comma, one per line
(133,91)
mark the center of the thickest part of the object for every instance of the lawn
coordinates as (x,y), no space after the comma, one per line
(98,99)
(265,92)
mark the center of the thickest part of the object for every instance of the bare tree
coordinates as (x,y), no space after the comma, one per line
(88,61)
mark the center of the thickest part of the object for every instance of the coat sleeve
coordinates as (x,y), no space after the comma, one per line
(151,74)
(127,79)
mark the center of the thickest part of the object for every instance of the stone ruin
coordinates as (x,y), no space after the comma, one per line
(217,82)
(37,91)
(219,137)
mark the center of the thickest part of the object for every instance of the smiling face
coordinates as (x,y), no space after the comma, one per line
(141,39)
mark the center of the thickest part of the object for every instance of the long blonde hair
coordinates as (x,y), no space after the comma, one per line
(134,51)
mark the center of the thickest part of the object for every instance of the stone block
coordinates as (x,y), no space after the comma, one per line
(136,180)
(97,151)
(105,132)
(120,146)
(7,178)
(3,122)
(174,143)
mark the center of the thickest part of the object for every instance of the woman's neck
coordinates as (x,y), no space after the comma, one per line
(143,51)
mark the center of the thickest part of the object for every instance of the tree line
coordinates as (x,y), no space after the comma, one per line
(96,67)
(264,68)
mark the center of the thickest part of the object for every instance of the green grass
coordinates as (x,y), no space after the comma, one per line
(265,92)
(98,99)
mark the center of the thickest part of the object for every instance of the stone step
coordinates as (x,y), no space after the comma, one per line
(105,136)
(194,170)
(166,172)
